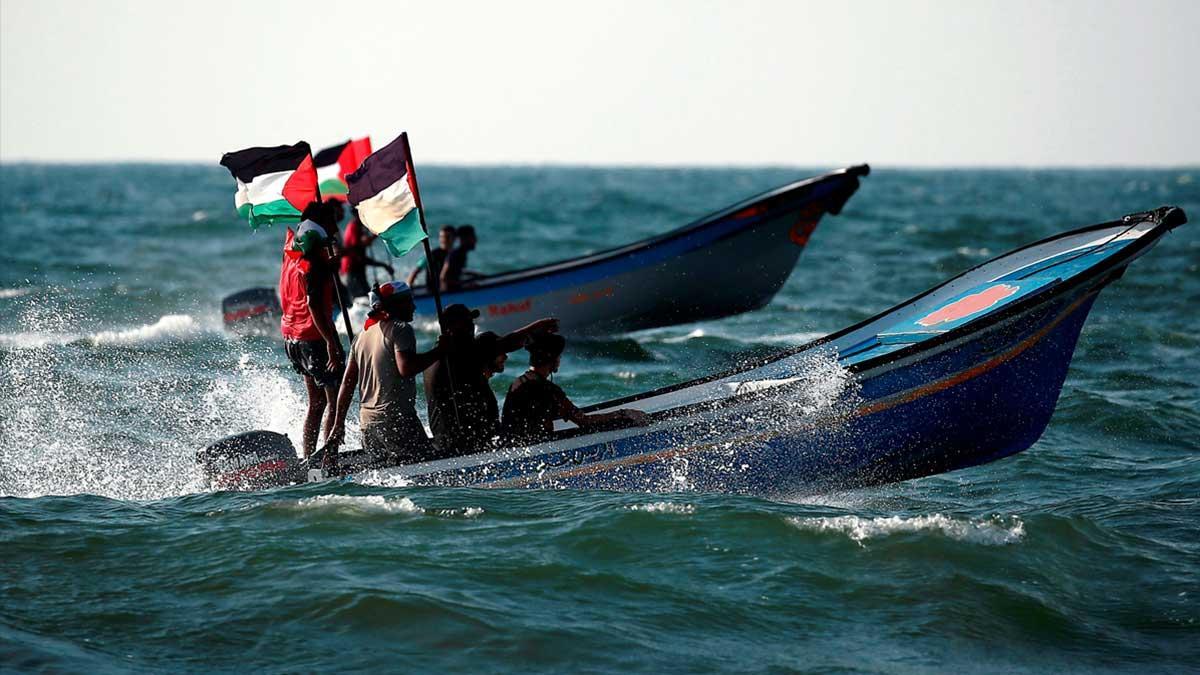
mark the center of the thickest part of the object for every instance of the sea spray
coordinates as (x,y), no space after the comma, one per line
(121,412)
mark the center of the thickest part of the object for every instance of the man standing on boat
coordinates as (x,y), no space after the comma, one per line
(534,402)
(437,258)
(383,366)
(466,418)
(306,288)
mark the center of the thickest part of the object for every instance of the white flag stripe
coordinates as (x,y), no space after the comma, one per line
(242,196)
(328,172)
(268,187)
(388,207)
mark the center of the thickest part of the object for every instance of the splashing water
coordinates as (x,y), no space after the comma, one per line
(121,412)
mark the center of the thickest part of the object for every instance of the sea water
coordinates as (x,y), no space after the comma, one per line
(1081,554)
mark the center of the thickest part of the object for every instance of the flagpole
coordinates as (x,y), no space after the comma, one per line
(435,287)
(433,278)
(338,289)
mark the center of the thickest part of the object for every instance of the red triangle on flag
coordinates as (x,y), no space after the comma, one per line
(301,187)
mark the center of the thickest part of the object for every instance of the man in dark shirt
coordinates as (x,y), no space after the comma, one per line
(456,262)
(466,422)
(534,402)
(437,255)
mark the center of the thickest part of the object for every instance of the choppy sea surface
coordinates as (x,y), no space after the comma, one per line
(1081,554)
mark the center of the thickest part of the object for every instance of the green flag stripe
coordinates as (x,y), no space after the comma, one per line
(403,235)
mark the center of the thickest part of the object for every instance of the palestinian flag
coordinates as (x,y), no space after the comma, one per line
(273,184)
(334,163)
(385,192)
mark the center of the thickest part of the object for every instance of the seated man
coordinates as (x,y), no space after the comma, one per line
(437,255)
(383,365)
(490,354)
(454,271)
(463,413)
(534,402)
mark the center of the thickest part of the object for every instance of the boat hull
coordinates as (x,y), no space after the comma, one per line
(1006,382)
(966,373)
(731,262)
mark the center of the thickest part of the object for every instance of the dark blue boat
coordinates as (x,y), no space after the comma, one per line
(963,374)
(680,276)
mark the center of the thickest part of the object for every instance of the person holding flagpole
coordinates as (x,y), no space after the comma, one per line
(383,366)
(306,293)
(278,185)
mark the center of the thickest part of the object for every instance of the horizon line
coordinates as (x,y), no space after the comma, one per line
(1166,166)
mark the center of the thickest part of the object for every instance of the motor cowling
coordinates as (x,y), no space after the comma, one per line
(254,311)
(254,460)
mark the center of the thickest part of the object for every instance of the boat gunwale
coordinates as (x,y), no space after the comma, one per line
(1162,218)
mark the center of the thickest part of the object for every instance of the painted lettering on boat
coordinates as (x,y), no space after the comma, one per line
(580,298)
(510,308)
(971,304)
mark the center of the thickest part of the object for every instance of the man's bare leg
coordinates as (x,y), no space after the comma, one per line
(312,421)
(331,394)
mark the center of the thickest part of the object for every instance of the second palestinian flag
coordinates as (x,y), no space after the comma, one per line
(386,195)
(274,184)
(333,164)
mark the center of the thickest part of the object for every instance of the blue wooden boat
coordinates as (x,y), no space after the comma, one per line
(966,373)
(677,277)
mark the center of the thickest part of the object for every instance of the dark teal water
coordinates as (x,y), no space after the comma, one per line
(1082,554)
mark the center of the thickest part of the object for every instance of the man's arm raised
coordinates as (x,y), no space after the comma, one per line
(517,339)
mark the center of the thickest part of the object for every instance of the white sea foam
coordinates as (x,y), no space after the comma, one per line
(665,507)
(15,292)
(468,512)
(667,336)
(991,532)
(167,328)
(358,504)
(379,478)
(372,504)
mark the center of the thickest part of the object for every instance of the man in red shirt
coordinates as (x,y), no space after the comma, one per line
(306,288)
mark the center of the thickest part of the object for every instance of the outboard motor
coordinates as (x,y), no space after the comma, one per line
(254,311)
(254,460)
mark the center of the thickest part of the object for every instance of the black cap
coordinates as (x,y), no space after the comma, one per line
(459,312)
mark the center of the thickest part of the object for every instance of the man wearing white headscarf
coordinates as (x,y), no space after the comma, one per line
(383,366)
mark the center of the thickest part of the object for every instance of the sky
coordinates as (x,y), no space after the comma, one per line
(693,83)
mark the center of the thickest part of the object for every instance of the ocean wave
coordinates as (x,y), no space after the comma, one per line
(357,504)
(989,532)
(6,293)
(377,504)
(167,328)
(666,337)
(665,507)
